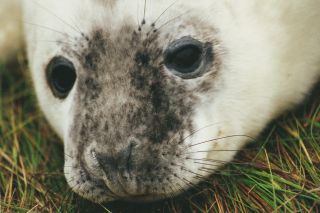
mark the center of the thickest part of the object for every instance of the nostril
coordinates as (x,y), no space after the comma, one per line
(105,161)
(129,160)
(133,142)
(93,154)
(120,161)
(132,145)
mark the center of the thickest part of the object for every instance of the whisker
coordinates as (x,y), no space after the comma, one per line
(192,133)
(210,164)
(216,172)
(175,134)
(157,19)
(76,26)
(181,189)
(222,162)
(45,27)
(53,14)
(76,187)
(219,150)
(171,20)
(171,138)
(190,184)
(195,186)
(68,167)
(196,131)
(172,191)
(221,138)
(67,173)
(138,22)
(58,42)
(196,174)
(68,155)
(69,180)
(144,12)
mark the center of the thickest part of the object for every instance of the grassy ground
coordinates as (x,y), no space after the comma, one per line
(280,173)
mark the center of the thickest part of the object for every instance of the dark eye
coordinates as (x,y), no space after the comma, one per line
(61,76)
(185,57)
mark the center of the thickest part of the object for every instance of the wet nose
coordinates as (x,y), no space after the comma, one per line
(120,161)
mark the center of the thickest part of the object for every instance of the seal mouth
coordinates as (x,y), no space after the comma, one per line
(121,183)
(117,188)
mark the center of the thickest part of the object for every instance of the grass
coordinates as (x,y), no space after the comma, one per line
(279,173)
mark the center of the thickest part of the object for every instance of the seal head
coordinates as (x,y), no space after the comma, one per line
(153,100)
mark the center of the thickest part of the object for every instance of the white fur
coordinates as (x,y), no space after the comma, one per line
(271,60)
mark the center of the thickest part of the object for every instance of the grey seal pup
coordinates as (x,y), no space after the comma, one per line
(143,93)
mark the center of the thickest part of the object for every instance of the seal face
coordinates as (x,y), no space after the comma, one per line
(148,108)
(134,105)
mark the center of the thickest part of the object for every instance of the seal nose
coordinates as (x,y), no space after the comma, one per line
(119,162)
(116,167)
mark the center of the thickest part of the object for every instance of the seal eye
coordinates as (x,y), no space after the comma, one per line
(185,57)
(61,76)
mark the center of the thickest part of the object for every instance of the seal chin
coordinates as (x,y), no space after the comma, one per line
(129,191)
(119,186)
(145,198)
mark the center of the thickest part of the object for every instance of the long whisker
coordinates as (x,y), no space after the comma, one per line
(196,131)
(181,189)
(198,176)
(52,41)
(178,188)
(68,155)
(172,191)
(192,133)
(216,172)
(221,162)
(210,164)
(210,171)
(144,12)
(171,20)
(221,138)
(68,167)
(53,14)
(76,26)
(218,150)
(69,180)
(208,167)
(138,22)
(190,184)
(45,27)
(193,185)
(173,137)
(187,170)
(157,19)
